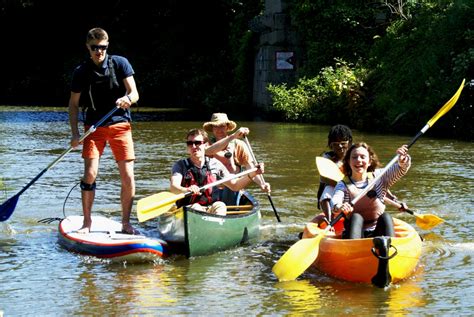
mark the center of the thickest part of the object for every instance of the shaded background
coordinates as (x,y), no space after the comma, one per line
(200,55)
(179,49)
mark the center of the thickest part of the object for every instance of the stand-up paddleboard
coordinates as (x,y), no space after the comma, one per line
(105,240)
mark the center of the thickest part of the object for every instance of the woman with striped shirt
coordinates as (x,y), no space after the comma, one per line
(367,218)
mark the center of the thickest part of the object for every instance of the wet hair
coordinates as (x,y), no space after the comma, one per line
(194,132)
(96,34)
(340,132)
(374,160)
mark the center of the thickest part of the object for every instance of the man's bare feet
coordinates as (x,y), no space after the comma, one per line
(128,229)
(84,230)
(86,227)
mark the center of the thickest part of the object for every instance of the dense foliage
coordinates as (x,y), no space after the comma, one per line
(398,71)
(420,63)
(327,97)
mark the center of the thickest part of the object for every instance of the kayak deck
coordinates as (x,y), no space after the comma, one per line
(353,260)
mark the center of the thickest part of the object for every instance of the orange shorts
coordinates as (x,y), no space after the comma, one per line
(119,137)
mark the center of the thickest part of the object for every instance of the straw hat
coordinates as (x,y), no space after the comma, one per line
(219,119)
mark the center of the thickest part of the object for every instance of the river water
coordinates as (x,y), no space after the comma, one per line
(38,277)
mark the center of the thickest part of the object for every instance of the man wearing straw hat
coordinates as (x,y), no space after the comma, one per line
(231,151)
(190,174)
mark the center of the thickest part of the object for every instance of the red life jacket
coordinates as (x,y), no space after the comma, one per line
(199,177)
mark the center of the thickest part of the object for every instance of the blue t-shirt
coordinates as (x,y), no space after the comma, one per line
(101,86)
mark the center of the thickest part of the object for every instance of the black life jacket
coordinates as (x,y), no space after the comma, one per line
(104,89)
(199,177)
(330,155)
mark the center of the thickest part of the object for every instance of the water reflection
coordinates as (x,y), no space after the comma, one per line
(298,295)
(340,298)
(121,293)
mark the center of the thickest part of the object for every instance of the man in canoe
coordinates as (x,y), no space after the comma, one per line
(367,218)
(230,151)
(189,174)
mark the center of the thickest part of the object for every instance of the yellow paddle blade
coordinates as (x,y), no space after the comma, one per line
(447,106)
(155,205)
(427,221)
(178,213)
(328,171)
(297,259)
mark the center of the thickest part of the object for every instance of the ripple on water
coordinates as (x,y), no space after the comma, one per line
(38,276)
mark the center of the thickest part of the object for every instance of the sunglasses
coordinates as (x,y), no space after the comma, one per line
(96,48)
(341,144)
(196,143)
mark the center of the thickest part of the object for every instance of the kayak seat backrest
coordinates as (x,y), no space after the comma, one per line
(401,230)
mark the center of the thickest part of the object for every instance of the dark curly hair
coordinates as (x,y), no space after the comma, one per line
(339,132)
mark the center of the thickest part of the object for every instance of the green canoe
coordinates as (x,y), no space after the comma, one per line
(194,233)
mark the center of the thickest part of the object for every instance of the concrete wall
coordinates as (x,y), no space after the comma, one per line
(274,63)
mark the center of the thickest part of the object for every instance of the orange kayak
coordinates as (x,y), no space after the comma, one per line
(359,260)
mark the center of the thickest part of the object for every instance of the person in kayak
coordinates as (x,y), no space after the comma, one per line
(189,174)
(339,140)
(230,151)
(367,218)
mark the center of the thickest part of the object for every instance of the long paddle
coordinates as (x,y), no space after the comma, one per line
(158,204)
(332,174)
(7,208)
(304,252)
(263,180)
(424,221)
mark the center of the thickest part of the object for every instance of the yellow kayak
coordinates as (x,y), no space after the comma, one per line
(361,260)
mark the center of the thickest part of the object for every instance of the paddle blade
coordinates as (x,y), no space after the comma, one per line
(328,171)
(8,207)
(156,205)
(427,221)
(447,106)
(297,259)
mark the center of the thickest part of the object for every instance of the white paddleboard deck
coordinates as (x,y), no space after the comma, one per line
(105,240)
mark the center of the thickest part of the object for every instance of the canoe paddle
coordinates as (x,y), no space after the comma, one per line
(261,176)
(304,252)
(7,208)
(158,204)
(330,172)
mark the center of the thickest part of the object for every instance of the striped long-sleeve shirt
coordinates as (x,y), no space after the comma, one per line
(393,174)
